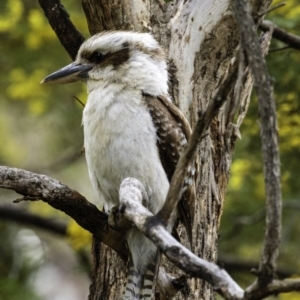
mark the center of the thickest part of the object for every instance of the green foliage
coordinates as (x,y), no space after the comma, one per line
(78,237)
(13,290)
(40,126)
(14,270)
(29,52)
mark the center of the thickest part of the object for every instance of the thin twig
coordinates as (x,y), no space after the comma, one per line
(271,9)
(279,49)
(234,263)
(78,100)
(273,288)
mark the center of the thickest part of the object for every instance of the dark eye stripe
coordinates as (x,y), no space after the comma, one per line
(116,59)
(96,57)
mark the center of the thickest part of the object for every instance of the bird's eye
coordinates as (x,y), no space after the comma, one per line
(96,57)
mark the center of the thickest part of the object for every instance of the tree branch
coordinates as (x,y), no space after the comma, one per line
(144,220)
(40,187)
(269,137)
(59,19)
(131,198)
(273,288)
(280,34)
(233,264)
(283,286)
(8,212)
(133,194)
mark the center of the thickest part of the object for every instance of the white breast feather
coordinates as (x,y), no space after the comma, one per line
(120,142)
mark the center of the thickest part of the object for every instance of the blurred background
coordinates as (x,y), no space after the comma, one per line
(46,256)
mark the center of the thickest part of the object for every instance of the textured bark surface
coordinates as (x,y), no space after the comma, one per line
(107,274)
(60,22)
(162,20)
(201,39)
(35,186)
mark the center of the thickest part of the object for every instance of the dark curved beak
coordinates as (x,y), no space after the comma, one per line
(69,73)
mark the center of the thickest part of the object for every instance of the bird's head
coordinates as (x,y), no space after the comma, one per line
(130,58)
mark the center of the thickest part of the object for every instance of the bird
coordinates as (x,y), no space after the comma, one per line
(131,129)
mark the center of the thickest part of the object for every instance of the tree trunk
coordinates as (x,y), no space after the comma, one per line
(201,39)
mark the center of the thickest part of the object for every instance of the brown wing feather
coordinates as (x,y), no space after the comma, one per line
(173,131)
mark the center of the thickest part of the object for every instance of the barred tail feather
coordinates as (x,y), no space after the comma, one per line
(149,280)
(134,283)
(138,286)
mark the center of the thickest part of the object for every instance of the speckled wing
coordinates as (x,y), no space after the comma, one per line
(173,131)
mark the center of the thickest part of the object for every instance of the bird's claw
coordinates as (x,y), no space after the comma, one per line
(116,219)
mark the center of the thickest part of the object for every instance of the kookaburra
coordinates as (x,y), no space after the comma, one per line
(131,129)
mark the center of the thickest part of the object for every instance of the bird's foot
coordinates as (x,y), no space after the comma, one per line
(116,219)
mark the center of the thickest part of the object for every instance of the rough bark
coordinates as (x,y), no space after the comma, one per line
(200,50)
(61,24)
(131,198)
(201,38)
(40,187)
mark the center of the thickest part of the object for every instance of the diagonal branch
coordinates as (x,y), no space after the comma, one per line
(269,136)
(131,198)
(278,33)
(59,19)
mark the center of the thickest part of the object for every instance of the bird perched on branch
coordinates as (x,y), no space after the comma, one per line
(131,129)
